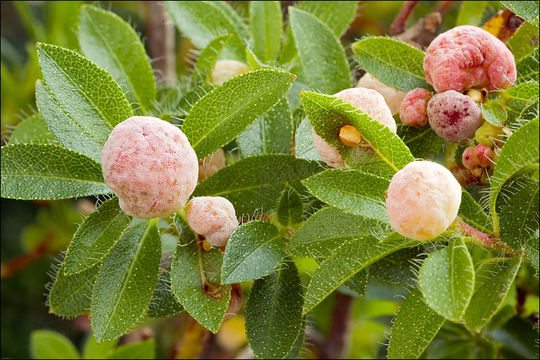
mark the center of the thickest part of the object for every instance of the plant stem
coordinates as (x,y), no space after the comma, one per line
(20,262)
(480,238)
(398,26)
(335,345)
(160,32)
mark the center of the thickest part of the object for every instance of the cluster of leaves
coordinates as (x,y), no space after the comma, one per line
(335,216)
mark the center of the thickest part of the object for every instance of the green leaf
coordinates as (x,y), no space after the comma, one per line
(447,278)
(422,142)
(48,172)
(290,208)
(95,237)
(352,191)
(347,260)
(400,268)
(524,41)
(392,62)
(494,112)
(337,15)
(520,336)
(327,229)
(471,13)
(145,349)
(72,295)
(519,217)
(473,214)
(93,350)
(254,184)
(527,68)
(358,283)
(32,130)
(270,134)
(164,303)
(253,251)
(324,60)
(493,280)
(273,314)
(207,60)
(196,279)
(74,136)
(519,152)
(528,10)
(203,21)
(47,344)
(304,147)
(127,281)
(386,153)
(112,44)
(86,97)
(266,25)
(521,102)
(415,325)
(229,109)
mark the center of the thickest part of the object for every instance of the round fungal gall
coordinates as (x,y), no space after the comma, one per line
(213,217)
(468,57)
(328,153)
(414,107)
(227,69)
(454,116)
(150,166)
(423,199)
(477,156)
(392,97)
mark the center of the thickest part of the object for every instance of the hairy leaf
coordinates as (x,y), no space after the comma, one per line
(352,191)
(524,41)
(112,44)
(304,147)
(127,281)
(527,68)
(228,110)
(196,279)
(519,152)
(327,229)
(392,62)
(253,251)
(82,99)
(415,325)
(290,207)
(72,295)
(423,142)
(493,280)
(473,214)
(447,278)
(324,60)
(203,21)
(338,15)
(254,184)
(207,60)
(273,314)
(519,217)
(95,237)
(31,130)
(528,10)
(48,172)
(266,25)
(346,261)
(382,152)
(164,303)
(270,134)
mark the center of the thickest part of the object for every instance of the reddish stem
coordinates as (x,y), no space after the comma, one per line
(398,26)
(481,238)
(335,346)
(160,32)
(20,262)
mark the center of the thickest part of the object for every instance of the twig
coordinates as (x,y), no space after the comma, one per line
(335,345)
(398,26)
(481,238)
(160,33)
(20,262)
